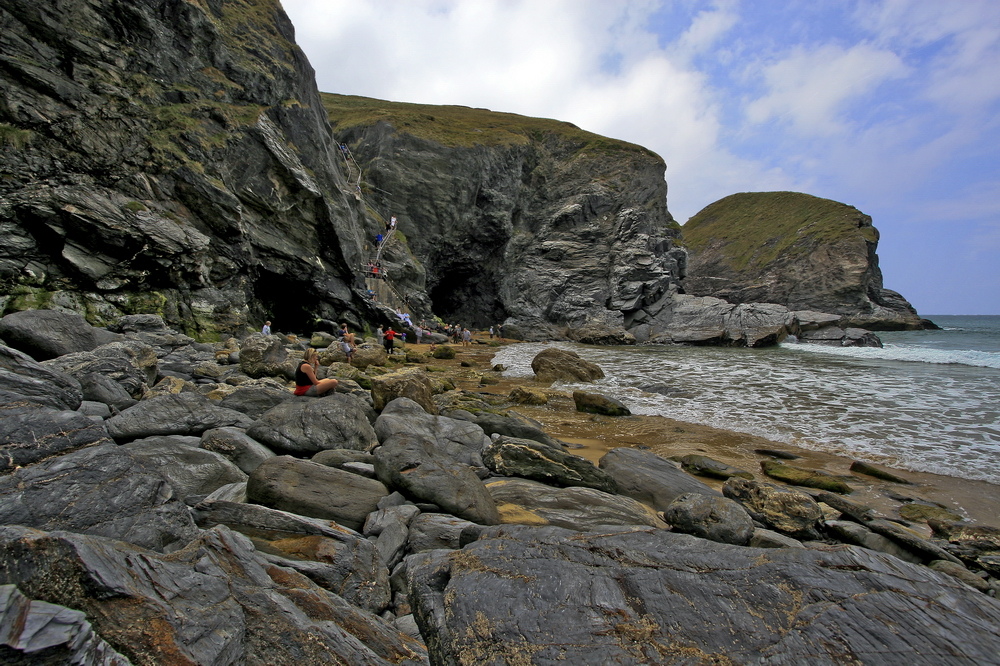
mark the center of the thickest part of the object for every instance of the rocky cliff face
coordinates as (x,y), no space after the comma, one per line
(558,232)
(171,157)
(795,250)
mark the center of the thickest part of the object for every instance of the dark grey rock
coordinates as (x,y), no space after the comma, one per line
(459,440)
(190,470)
(46,334)
(514,426)
(254,401)
(390,527)
(307,425)
(647,477)
(574,508)
(714,518)
(859,535)
(429,531)
(102,388)
(235,445)
(617,598)
(318,491)
(510,456)
(23,378)
(763,538)
(36,434)
(173,414)
(595,403)
(705,466)
(422,469)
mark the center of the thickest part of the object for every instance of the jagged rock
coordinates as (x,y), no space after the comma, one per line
(553,365)
(102,490)
(959,572)
(647,477)
(368,355)
(707,320)
(714,518)
(512,456)
(46,334)
(190,470)
(595,403)
(839,337)
(304,426)
(235,445)
(809,478)
(458,440)
(214,602)
(101,388)
(614,598)
(180,414)
(705,466)
(430,531)
(786,510)
(420,468)
(23,378)
(36,434)
(265,356)
(413,384)
(796,250)
(583,509)
(390,528)
(528,396)
(42,633)
(255,400)
(131,364)
(311,489)
(853,533)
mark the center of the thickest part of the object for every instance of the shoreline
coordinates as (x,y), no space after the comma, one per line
(973,500)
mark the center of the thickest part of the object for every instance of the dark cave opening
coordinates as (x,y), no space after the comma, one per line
(468,299)
(287,304)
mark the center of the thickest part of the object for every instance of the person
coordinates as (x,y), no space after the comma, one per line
(420,334)
(343,331)
(466,338)
(267,328)
(389,336)
(380,334)
(347,344)
(392,222)
(491,332)
(378,240)
(305,377)
(500,332)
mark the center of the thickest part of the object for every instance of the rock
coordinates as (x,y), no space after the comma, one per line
(705,466)
(35,434)
(959,572)
(512,456)
(238,447)
(340,457)
(877,472)
(102,490)
(214,602)
(458,440)
(920,512)
(190,470)
(554,365)
(445,352)
(528,396)
(777,453)
(369,355)
(595,403)
(986,537)
(314,490)
(429,531)
(853,533)
(786,510)
(650,479)
(266,356)
(180,414)
(418,467)
(804,477)
(532,503)
(614,598)
(101,388)
(412,383)
(390,527)
(689,319)
(770,539)
(306,425)
(514,425)
(46,334)
(255,400)
(43,633)
(22,378)
(714,518)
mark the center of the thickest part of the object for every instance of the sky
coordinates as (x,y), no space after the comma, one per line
(891,106)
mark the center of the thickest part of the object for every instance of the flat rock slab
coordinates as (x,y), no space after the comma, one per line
(551,596)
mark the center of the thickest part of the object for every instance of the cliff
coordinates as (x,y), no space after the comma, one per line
(797,250)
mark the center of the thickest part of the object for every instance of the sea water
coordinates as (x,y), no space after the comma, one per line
(928,401)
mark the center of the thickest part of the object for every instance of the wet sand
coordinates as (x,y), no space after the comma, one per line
(976,501)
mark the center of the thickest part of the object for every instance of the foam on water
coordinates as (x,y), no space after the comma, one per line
(973,357)
(896,408)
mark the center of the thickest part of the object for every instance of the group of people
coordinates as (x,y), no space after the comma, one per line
(375,270)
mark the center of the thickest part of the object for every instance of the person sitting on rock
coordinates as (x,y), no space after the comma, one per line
(305,377)
(266,329)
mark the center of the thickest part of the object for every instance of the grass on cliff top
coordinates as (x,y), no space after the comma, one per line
(755,228)
(463,126)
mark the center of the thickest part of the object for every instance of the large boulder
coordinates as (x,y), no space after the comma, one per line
(648,478)
(460,440)
(577,508)
(23,378)
(36,433)
(318,491)
(708,320)
(266,356)
(174,414)
(713,518)
(306,425)
(658,597)
(784,509)
(561,365)
(235,445)
(412,383)
(46,334)
(190,470)
(254,400)
(102,490)
(131,363)
(511,456)
(419,468)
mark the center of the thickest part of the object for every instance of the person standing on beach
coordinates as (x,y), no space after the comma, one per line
(389,336)
(466,338)
(380,334)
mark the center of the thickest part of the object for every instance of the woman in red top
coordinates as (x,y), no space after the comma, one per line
(305,376)
(387,340)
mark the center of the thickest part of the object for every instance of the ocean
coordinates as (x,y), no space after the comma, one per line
(928,401)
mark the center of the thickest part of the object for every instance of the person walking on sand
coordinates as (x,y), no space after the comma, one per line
(306,382)
(466,338)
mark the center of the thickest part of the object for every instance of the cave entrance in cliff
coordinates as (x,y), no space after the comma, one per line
(467,299)
(286,304)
